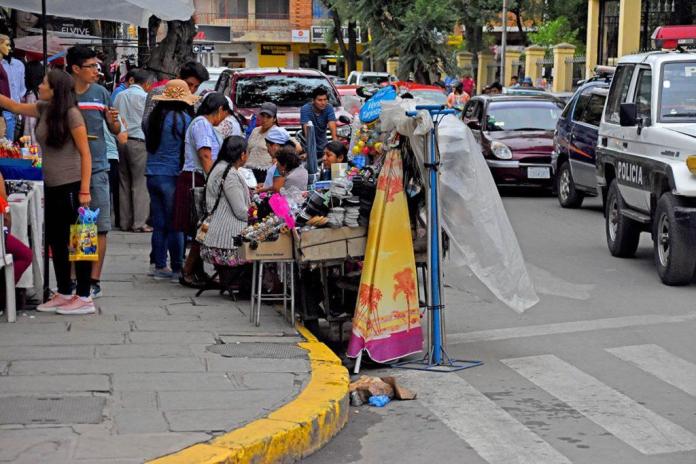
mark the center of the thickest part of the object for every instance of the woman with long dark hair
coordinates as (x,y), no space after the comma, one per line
(164,135)
(227,200)
(67,167)
(200,152)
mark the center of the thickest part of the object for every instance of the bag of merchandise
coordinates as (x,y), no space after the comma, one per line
(83,236)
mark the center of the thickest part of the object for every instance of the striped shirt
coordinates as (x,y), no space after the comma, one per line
(230,217)
(93,104)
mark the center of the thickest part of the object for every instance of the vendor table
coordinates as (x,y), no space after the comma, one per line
(27,226)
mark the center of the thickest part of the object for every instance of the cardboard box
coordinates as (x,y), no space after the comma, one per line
(276,250)
(326,244)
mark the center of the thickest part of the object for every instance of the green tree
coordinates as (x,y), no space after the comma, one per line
(554,32)
(338,13)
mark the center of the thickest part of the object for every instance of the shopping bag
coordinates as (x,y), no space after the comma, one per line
(83,244)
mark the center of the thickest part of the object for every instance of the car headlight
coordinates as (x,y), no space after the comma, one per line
(500,150)
(343,131)
(691,163)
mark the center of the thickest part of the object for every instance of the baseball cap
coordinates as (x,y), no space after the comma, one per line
(277,135)
(269,109)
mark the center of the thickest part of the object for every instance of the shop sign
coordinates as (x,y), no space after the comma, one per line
(211,33)
(300,36)
(200,48)
(275,49)
(319,34)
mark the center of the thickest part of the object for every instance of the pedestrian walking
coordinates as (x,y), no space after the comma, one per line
(200,152)
(320,112)
(134,200)
(67,168)
(458,98)
(165,144)
(93,101)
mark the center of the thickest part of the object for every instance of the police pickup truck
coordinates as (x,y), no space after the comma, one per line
(646,160)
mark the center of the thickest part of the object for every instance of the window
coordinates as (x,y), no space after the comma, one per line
(522,116)
(677,97)
(581,104)
(272,9)
(283,90)
(472,112)
(593,110)
(644,93)
(233,8)
(618,92)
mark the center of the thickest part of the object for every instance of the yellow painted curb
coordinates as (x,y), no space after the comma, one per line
(290,433)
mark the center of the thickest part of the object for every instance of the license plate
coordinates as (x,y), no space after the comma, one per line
(539,173)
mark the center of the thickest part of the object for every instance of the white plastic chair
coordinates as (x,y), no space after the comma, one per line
(7,263)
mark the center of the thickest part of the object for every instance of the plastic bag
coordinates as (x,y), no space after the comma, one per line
(481,236)
(84,245)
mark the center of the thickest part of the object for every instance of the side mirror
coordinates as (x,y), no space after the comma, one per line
(344,119)
(628,115)
(474,125)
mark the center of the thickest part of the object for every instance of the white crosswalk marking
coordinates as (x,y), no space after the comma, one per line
(495,435)
(661,363)
(627,420)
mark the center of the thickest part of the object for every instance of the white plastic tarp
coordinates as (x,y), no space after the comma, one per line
(481,236)
(125,11)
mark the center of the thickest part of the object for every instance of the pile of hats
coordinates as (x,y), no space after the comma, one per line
(336,217)
(352,211)
(315,211)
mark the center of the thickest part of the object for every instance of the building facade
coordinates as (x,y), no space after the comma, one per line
(620,27)
(265,33)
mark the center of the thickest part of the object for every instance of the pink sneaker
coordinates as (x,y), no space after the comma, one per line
(78,305)
(54,303)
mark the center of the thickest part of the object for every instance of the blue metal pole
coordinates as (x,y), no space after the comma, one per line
(435,255)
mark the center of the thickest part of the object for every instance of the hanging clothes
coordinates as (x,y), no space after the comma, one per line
(387,319)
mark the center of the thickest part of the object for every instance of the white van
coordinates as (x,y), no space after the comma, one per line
(369,78)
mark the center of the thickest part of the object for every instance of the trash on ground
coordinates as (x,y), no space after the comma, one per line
(379,401)
(366,387)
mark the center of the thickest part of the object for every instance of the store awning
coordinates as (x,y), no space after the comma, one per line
(125,11)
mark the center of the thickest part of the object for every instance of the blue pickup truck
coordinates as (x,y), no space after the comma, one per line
(575,140)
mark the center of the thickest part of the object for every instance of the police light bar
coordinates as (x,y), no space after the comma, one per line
(671,37)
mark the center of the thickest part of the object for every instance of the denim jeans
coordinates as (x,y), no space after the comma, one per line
(10,121)
(164,237)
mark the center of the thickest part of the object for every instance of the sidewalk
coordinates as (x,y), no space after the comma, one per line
(137,380)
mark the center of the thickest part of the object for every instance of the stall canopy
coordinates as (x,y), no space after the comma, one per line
(125,11)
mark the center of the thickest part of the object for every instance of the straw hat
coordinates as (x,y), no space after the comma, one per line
(177,90)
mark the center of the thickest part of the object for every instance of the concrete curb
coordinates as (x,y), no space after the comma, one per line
(290,433)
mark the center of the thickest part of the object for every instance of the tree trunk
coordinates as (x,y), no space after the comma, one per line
(352,56)
(143,47)
(174,50)
(520,27)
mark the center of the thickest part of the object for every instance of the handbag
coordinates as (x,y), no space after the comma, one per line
(204,224)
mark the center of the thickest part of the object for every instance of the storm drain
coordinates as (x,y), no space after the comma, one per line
(259,350)
(68,410)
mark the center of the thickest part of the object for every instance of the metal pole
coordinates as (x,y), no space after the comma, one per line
(503,43)
(434,263)
(44,33)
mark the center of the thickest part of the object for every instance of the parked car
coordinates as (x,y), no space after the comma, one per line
(289,89)
(209,85)
(516,136)
(432,94)
(369,77)
(575,142)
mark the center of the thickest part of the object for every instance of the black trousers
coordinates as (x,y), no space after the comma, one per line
(114,179)
(61,212)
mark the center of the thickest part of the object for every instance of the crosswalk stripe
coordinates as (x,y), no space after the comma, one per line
(493,433)
(661,363)
(627,420)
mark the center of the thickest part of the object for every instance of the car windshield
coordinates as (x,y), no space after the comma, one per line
(677,97)
(289,91)
(206,86)
(373,79)
(434,97)
(523,115)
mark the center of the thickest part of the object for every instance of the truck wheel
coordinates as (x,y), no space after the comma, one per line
(623,233)
(674,255)
(568,196)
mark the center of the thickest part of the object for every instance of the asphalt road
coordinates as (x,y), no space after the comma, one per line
(602,370)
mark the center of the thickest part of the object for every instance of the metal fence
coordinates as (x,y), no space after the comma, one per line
(578,71)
